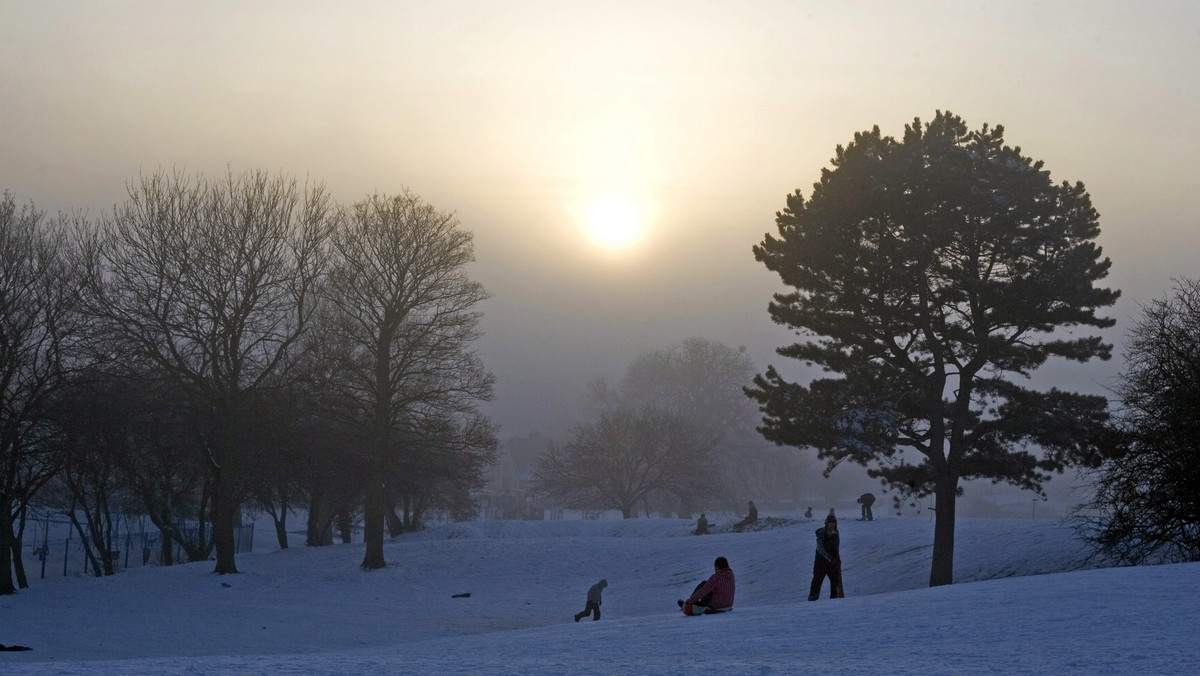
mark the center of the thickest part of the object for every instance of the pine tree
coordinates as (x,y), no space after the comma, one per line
(928,272)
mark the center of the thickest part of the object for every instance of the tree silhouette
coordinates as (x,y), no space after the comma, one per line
(209,285)
(928,272)
(1146,503)
(400,326)
(40,327)
(628,456)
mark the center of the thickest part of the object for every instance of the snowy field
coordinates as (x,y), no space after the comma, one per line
(1023,603)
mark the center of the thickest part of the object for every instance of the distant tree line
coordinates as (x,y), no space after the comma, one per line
(674,435)
(214,343)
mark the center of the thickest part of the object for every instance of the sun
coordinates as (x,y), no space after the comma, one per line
(614,223)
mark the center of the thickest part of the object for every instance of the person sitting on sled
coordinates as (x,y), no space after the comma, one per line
(714,595)
(827,562)
(750,518)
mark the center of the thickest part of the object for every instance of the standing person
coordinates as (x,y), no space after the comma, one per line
(714,595)
(866,500)
(593,601)
(827,562)
(751,517)
(702,525)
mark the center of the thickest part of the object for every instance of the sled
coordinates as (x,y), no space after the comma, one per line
(841,589)
(691,611)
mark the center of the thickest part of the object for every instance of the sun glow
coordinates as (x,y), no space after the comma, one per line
(614,223)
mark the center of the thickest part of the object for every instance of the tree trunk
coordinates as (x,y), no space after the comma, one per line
(111,541)
(224,510)
(223,539)
(6,542)
(6,586)
(87,537)
(166,551)
(382,427)
(942,570)
(408,514)
(373,505)
(281,525)
(344,526)
(18,562)
(320,520)
(395,525)
(373,522)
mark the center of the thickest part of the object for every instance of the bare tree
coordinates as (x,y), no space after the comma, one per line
(402,318)
(209,284)
(164,464)
(1145,505)
(440,470)
(629,457)
(703,381)
(697,378)
(92,428)
(39,326)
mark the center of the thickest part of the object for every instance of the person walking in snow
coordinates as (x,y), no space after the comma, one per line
(714,595)
(593,601)
(866,500)
(828,562)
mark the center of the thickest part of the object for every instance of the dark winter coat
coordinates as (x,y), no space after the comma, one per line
(594,591)
(827,545)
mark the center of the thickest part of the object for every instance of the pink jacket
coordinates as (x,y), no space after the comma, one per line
(721,585)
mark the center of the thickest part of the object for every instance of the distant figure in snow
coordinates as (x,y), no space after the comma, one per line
(702,525)
(750,518)
(593,601)
(808,513)
(866,500)
(714,595)
(828,563)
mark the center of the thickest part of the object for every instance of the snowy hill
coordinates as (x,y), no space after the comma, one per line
(313,611)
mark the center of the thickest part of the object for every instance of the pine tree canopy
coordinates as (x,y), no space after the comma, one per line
(927,273)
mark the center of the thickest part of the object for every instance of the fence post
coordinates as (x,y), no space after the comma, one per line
(66,552)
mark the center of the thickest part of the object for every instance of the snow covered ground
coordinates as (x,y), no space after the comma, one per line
(312,611)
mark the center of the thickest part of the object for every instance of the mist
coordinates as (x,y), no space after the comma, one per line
(703,114)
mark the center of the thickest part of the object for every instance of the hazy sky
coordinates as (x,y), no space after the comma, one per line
(694,119)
